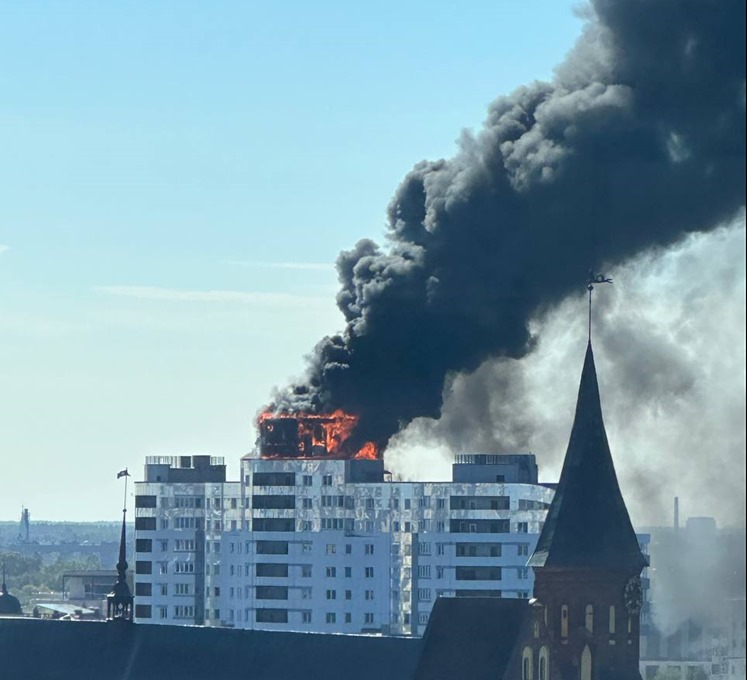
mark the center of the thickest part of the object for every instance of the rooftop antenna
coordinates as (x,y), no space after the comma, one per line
(592,280)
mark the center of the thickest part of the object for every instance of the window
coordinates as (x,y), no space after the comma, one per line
(274,479)
(369,572)
(369,594)
(423,619)
(143,567)
(164,545)
(439,572)
(145,501)
(424,501)
(142,611)
(348,549)
(407,503)
(408,527)
(348,594)
(271,616)
(327,480)
(369,503)
(184,567)
(564,621)
(424,571)
(440,527)
(143,545)
(441,504)
(424,548)
(331,572)
(271,570)
(181,588)
(368,618)
(348,572)
(331,594)
(307,546)
(307,480)
(163,613)
(305,571)
(544,664)
(164,589)
(613,622)
(184,611)
(424,594)
(522,527)
(586,664)
(348,617)
(589,621)
(331,549)
(306,616)
(440,548)
(145,524)
(331,617)
(307,503)
(272,547)
(395,526)
(527,664)
(523,573)
(144,589)
(369,549)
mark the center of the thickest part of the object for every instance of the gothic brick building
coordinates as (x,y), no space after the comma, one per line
(583,622)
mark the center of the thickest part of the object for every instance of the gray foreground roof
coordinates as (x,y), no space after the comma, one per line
(60,650)
(470,638)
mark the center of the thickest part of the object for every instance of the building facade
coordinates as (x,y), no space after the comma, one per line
(330,545)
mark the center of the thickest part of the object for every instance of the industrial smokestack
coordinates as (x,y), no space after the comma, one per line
(639,140)
(676,513)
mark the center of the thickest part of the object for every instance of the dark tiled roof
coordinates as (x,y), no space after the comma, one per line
(588,524)
(470,637)
(60,650)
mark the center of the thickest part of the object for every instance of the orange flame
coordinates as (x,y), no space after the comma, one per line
(315,435)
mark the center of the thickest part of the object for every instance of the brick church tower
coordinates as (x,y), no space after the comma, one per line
(588,561)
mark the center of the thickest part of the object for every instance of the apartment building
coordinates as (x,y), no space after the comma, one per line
(330,545)
(182,510)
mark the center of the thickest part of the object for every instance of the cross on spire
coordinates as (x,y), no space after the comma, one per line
(594,279)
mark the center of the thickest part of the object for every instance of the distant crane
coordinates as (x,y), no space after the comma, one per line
(24,529)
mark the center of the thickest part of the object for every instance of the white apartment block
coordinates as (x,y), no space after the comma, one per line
(330,545)
(182,510)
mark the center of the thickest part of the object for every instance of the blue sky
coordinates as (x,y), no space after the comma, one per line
(178,178)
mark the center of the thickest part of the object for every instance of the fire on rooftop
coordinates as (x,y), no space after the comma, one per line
(304,435)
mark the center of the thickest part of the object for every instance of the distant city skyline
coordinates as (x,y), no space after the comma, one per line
(179,180)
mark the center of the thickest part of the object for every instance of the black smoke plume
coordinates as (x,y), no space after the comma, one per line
(639,139)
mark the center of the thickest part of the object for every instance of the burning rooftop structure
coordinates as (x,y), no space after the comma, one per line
(305,435)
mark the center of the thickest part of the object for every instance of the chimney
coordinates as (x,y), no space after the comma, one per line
(676,513)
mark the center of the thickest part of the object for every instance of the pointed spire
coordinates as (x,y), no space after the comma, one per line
(122,562)
(588,524)
(120,601)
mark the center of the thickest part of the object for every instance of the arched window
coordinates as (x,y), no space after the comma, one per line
(613,622)
(544,664)
(564,621)
(527,664)
(586,664)
(590,618)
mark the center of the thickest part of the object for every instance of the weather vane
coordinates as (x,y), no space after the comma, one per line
(594,279)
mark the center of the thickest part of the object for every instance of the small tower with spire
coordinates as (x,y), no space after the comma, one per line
(9,605)
(119,603)
(588,562)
